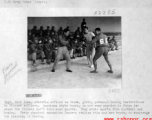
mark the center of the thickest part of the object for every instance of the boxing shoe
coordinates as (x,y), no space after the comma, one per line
(68,70)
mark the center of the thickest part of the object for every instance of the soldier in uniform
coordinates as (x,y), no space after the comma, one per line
(41,31)
(83,25)
(47,31)
(60,31)
(36,52)
(63,51)
(77,34)
(34,31)
(48,47)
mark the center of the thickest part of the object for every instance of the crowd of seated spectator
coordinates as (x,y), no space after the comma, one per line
(42,44)
(112,43)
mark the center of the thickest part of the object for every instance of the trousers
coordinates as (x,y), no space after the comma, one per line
(62,52)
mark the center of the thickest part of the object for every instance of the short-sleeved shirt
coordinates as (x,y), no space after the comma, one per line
(89,36)
(101,40)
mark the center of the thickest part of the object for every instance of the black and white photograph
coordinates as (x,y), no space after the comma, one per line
(74,52)
(75,60)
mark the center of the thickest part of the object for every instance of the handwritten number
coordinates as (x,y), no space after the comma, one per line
(99,12)
(103,12)
(113,12)
(95,12)
(109,12)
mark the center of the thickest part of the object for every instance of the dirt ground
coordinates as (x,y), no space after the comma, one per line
(81,76)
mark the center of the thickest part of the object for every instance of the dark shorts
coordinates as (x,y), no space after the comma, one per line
(101,51)
(89,47)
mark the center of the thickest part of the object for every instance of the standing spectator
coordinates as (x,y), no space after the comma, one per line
(83,25)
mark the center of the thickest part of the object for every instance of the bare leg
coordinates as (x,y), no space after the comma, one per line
(92,53)
(88,57)
(96,57)
(108,62)
(95,64)
(71,53)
